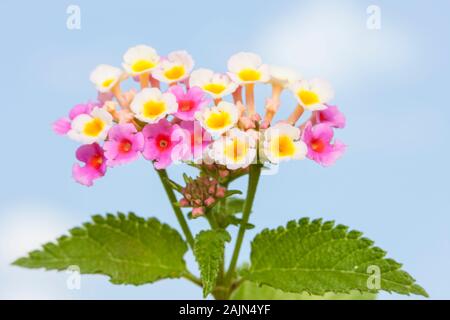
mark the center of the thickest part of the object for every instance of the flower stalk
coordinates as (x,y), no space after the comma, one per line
(176,209)
(253,179)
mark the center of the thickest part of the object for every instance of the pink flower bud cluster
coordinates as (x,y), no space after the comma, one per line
(201,193)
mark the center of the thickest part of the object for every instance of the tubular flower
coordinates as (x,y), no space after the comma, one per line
(105,77)
(201,193)
(188,102)
(282,77)
(94,164)
(151,105)
(124,144)
(235,150)
(312,95)
(92,127)
(216,84)
(331,116)
(160,143)
(219,119)
(63,125)
(247,67)
(282,142)
(176,67)
(320,149)
(140,59)
(189,120)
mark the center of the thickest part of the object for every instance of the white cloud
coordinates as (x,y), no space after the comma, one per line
(332,40)
(24,227)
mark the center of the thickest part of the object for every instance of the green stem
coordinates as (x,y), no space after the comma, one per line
(253,178)
(179,214)
(189,276)
(211,220)
(222,207)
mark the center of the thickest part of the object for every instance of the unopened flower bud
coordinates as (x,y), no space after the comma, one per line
(198,211)
(212,190)
(224,173)
(125,116)
(256,117)
(220,193)
(184,202)
(209,201)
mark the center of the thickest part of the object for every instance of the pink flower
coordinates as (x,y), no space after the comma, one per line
(63,125)
(160,143)
(95,165)
(82,109)
(124,144)
(188,102)
(331,115)
(196,139)
(320,149)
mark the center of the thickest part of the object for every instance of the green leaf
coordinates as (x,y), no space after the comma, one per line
(237,222)
(128,249)
(318,257)
(209,250)
(226,210)
(251,291)
(234,205)
(230,193)
(175,186)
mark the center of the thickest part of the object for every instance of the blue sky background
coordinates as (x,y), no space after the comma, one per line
(392,183)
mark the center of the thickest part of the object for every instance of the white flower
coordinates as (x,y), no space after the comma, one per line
(218,119)
(140,59)
(93,127)
(105,77)
(216,84)
(237,149)
(151,105)
(314,94)
(247,67)
(282,76)
(175,67)
(282,142)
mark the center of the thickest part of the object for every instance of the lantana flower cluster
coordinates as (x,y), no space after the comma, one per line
(178,114)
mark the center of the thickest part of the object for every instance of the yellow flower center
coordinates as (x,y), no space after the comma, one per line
(175,72)
(94,127)
(249,75)
(107,82)
(236,150)
(142,65)
(153,109)
(218,120)
(216,88)
(308,97)
(283,146)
